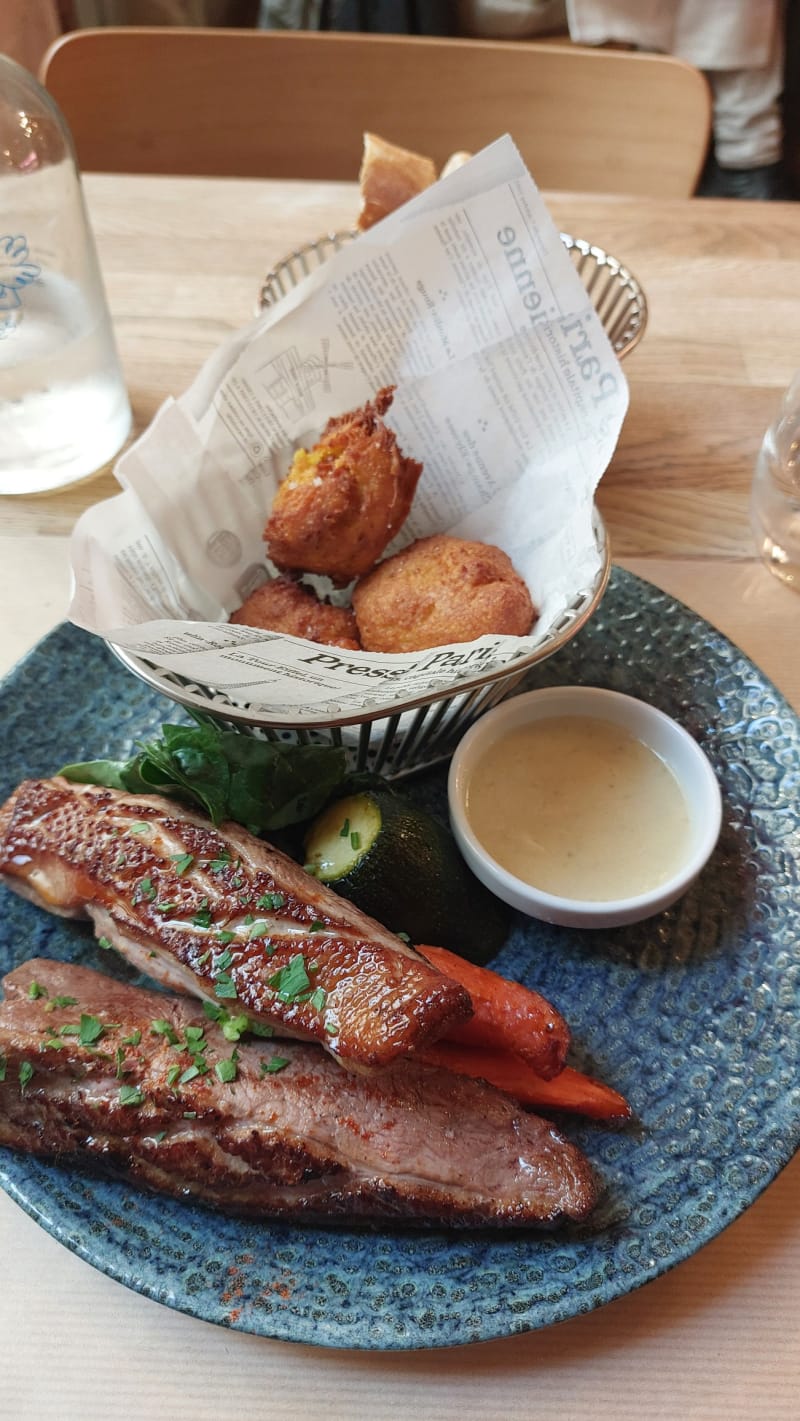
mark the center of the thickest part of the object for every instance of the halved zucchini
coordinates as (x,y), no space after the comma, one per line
(404,868)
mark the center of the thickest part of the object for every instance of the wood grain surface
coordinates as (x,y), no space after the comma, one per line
(716,1338)
(274,104)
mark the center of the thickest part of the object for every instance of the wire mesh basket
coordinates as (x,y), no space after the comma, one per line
(616,295)
(403,737)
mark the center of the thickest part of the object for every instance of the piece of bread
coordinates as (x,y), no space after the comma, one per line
(389,177)
(456,160)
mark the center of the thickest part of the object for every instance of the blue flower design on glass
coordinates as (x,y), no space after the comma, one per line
(16,271)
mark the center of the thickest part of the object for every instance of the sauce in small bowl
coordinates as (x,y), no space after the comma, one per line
(582,806)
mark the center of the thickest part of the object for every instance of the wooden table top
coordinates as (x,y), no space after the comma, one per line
(717,1337)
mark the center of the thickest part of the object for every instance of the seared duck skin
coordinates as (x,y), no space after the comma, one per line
(96,1068)
(222,915)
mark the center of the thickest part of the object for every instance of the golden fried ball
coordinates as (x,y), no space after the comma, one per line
(441,590)
(285,606)
(343,501)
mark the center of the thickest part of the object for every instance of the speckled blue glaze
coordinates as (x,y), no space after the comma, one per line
(693,1015)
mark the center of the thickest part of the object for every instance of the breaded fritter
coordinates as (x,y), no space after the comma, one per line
(441,590)
(344,500)
(285,606)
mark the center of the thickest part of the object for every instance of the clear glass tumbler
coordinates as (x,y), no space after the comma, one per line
(64,411)
(775,493)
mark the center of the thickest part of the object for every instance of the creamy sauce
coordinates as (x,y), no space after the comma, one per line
(580,808)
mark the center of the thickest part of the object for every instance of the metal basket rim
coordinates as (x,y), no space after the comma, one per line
(158,681)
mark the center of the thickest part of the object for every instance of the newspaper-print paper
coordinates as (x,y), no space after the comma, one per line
(507,390)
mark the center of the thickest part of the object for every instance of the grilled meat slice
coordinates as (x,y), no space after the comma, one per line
(95,1068)
(223,915)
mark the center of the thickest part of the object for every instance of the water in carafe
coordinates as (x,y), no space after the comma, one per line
(64,412)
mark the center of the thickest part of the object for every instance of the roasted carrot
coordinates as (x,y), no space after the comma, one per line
(569,1090)
(507,1016)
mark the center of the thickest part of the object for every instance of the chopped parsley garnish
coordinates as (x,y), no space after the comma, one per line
(224,985)
(202,918)
(2,1066)
(190,1114)
(157,1138)
(90,1029)
(224,960)
(51,1043)
(260,929)
(166,908)
(105,942)
(144,891)
(292,981)
(355,840)
(345,829)
(317,926)
(166,1029)
(273,1065)
(227,1069)
(218,865)
(270,900)
(120,861)
(318,998)
(194,1038)
(189,1074)
(119,1057)
(404,937)
(259,1028)
(233,1027)
(203,959)
(130,1095)
(70,1028)
(134,1038)
(25,1073)
(224,936)
(182,862)
(141,827)
(56,1002)
(172,1075)
(35,991)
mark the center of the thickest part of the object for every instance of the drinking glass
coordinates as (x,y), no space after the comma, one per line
(64,411)
(775,493)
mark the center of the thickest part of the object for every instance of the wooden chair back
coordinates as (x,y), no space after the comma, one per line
(253,103)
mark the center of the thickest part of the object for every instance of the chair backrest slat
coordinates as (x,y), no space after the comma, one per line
(251,103)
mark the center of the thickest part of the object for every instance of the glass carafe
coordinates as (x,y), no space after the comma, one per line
(64,411)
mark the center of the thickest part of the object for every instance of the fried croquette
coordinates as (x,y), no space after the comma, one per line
(285,606)
(344,500)
(441,590)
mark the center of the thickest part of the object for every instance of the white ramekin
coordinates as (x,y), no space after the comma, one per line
(662,734)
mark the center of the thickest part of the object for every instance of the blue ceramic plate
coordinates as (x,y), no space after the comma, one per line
(693,1015)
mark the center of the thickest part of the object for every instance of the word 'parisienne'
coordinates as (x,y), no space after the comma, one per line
(588,364)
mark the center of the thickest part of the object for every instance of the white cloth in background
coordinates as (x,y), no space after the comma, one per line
(511,19)
(739,44)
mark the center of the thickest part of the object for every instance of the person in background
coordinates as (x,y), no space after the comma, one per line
(739,45)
